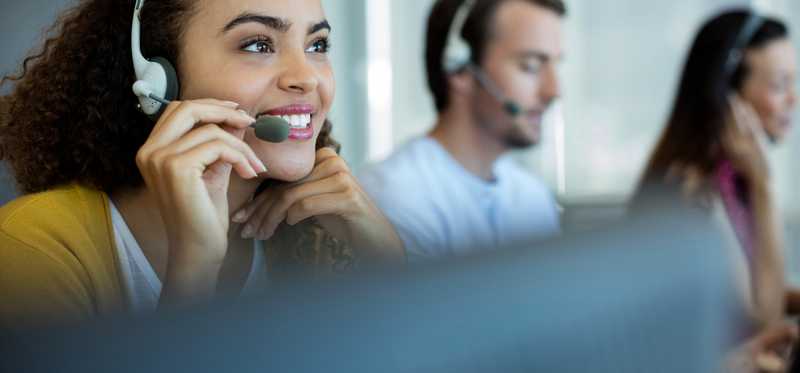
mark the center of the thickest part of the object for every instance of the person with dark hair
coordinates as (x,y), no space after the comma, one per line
(3,111)
(126,213)
(736,95)
(491,68)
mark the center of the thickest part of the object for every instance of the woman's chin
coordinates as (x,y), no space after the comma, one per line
(289,171)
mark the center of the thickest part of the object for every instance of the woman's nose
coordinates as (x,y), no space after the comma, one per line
(298,75)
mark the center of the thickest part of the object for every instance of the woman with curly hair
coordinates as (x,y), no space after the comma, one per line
(127,214)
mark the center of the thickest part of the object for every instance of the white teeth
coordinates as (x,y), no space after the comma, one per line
(297,121)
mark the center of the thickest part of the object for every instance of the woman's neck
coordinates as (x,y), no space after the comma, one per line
(468,143)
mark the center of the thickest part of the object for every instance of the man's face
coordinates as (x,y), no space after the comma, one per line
(521,58)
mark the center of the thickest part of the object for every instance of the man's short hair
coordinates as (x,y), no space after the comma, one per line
(476,32)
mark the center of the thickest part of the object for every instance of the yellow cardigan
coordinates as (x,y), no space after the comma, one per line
(58,259)
(59,264)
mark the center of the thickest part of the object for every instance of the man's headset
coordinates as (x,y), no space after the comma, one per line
(457,57)
(157,85)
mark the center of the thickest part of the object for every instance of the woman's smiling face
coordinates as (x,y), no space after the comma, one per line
(771,86)
(271,57)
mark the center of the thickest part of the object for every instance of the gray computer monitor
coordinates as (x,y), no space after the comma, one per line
(651,295)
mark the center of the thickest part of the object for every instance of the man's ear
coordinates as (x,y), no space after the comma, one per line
(461,83)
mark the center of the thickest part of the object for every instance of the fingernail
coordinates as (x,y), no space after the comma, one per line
(261,166)
(230,103)
(247,232)
(239,217)
(246,115)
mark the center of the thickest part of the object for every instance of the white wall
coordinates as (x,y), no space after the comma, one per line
(349,54)
(413,109)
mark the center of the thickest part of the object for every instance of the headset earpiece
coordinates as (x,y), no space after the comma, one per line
(457,58)
(172,86)
(156,79)
(456,55)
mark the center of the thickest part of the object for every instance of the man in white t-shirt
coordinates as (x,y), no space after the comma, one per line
(492,70)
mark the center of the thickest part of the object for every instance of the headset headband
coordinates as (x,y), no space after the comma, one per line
(745,36)
(457,52)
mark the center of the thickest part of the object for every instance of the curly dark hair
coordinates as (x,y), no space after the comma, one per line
(3,112)
(71,116)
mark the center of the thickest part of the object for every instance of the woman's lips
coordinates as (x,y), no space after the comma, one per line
(300,118)
(301,134)
(296,109)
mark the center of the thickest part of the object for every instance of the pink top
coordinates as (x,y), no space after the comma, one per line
(733,195)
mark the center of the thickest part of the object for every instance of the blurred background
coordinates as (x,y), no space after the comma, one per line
(623,58)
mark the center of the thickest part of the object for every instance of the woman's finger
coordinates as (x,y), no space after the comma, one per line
(745,116)
(777,336)
(257,216)
(170,109)
(318,205)
(188,114)
(212,132)
(324,154)
(328,166)
(338,183)
(244,213)
(199,158)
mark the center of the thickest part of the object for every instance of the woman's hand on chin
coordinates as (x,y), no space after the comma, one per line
(742,144)
(187,163)
(332,195)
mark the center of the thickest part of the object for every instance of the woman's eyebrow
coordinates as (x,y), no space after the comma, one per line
(275,23)
(322,25)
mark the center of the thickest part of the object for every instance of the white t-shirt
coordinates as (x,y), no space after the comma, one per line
(141,284)
(440,209)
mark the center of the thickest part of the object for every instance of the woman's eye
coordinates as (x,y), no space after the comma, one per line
(529,67)
(778,85)
(258,46)
(319,46)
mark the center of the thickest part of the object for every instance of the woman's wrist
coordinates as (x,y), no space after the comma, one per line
(758,177)
(189,279)
(760,192)
(378,241)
